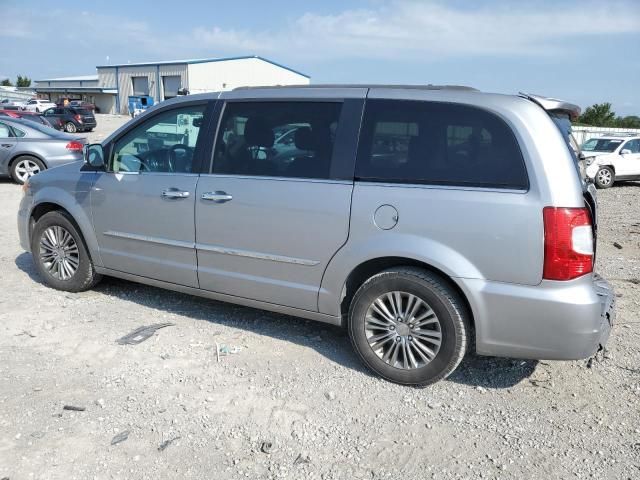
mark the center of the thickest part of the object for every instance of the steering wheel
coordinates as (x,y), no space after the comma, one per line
(173,156)
(130,162)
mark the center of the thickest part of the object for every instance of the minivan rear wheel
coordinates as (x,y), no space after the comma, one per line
(409,326)
(605,177)
(60,254)
(70,127)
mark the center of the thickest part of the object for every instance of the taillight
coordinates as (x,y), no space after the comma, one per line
(78,118)
(75,146)
(568,243)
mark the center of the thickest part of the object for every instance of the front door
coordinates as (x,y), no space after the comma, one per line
(628,165)
(143,204)
(273,212)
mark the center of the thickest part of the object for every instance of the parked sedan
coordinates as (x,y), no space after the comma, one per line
(32,117)
(38,105)
(73,119)
(27,148)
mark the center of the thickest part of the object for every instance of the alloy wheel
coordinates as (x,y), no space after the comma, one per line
(26,169)
(604,176)
(403,330)
(59,253)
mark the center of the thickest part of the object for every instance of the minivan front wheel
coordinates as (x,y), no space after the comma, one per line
(60,255)
(409,326)
(605,177)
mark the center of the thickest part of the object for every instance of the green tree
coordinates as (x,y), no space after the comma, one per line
(6,83)
(631,121)
(599,115)
(23,81)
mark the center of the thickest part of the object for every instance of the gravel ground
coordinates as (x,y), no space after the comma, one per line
(294,401)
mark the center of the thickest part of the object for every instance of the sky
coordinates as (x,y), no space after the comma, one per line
(583,51)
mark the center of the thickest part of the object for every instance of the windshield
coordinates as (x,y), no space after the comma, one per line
(601,145)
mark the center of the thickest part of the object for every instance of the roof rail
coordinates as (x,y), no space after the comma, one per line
(620,134)
(365,85)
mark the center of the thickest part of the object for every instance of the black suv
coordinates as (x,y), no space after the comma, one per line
(73,119)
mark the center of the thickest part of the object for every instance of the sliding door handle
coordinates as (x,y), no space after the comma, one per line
(217,196)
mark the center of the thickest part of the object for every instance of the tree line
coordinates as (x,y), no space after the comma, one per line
(602,115)
(20,82)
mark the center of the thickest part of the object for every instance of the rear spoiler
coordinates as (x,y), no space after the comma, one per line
(554,105)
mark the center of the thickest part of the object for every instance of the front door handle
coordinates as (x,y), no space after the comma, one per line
(7,145)
(174,193)
(217,196)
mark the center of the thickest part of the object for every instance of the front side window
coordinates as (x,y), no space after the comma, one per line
(439,144)
(632,145)
(277,139)
(165,143)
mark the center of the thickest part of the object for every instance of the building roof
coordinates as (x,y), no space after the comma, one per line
(202,60)
(80,78)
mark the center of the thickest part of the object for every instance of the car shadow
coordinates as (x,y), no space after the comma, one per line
(330,341)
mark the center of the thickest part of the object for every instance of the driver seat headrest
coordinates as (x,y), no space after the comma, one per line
(258,133)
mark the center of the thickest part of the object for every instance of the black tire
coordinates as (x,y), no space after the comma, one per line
(85,276)
(605,177)
(13,171)
(70,127)
(440,297)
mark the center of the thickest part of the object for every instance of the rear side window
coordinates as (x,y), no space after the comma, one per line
(277,139)
(439,144)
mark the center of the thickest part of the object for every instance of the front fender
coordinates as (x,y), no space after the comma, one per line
(412,247)
(76,201)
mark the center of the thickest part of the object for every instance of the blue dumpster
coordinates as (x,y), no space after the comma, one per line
(139,103)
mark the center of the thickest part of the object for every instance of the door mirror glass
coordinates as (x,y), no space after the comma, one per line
(94,155)
(625,151)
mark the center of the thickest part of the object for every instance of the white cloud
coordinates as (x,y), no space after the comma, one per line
(409,28)
(406,29)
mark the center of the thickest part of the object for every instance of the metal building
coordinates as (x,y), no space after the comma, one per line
(162,80)
(110,89)
(86,87)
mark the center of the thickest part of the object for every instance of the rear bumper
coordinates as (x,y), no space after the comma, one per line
(553,320)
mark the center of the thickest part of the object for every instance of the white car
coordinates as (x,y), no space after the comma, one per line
(38,105)
(612,157)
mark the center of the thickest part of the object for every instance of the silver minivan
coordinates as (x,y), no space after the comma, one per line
(429,221)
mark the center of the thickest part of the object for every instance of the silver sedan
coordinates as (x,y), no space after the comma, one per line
(27,148)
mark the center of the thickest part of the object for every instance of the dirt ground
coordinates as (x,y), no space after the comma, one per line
(288,398)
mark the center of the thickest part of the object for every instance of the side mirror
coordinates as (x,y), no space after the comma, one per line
(197,122)
(94,155)
(581,156)
(625,151)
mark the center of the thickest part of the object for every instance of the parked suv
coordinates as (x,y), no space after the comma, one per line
(427,221)
(610,158)
(73,119)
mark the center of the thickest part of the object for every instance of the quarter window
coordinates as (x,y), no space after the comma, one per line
(164,143)
(277,139)
(439,144)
